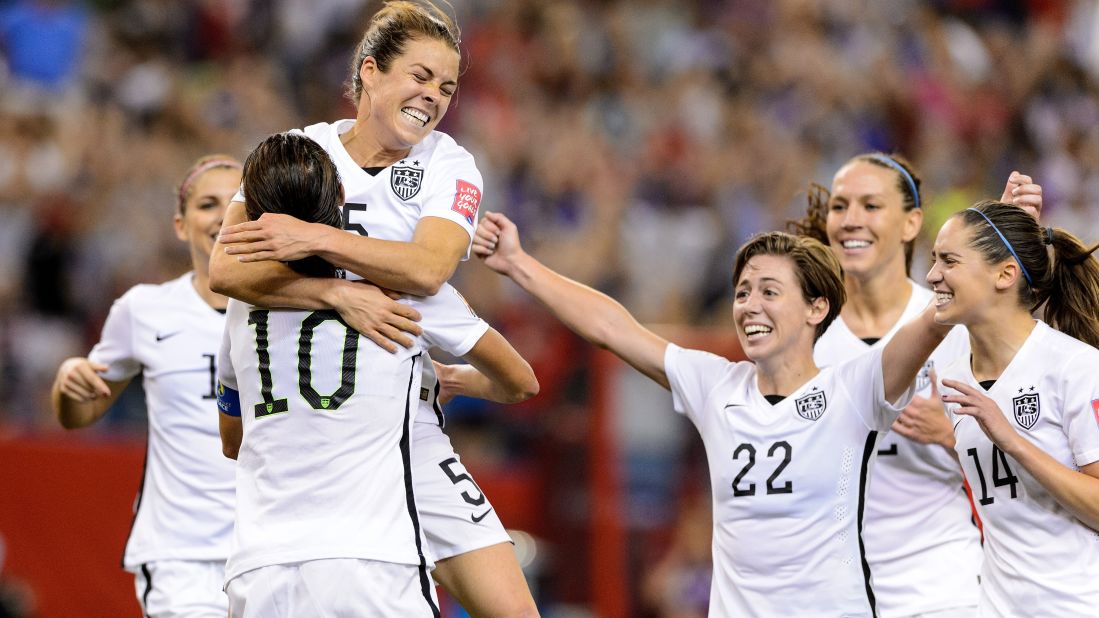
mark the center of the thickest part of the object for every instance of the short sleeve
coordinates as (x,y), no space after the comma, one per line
(454,190)
(1081,414)
(865,384)
(116,344)
(692,375)
(449,322)
(226,374)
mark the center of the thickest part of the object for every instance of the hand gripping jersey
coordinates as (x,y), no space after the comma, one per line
(788,482)
(324,466)
(918,522)
(1039,559)
(167,333)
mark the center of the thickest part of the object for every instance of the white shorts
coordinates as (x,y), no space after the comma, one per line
(455,514)
(170,588)
(332,587)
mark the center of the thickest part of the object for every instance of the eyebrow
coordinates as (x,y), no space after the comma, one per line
(762,280)
(431,73)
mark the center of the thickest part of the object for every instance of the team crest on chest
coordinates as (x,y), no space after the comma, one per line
(811,405)
(923,378)
(405,181)
(1026,409)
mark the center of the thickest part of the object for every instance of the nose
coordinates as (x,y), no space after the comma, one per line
(933,275)
(852,218)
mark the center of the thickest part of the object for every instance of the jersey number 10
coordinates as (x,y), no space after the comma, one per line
(272,404)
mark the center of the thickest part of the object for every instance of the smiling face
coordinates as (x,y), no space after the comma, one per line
(867,224)
(965,284)
(772,315)
(406,103)
(203,210)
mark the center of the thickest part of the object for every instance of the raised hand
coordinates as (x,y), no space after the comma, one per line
(78,379)
(1022,191)
(273,237)
(376,314)
(497,242)
(973,402)
(924,420)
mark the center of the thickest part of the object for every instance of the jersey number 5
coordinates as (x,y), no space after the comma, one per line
(750,452)
(272,404)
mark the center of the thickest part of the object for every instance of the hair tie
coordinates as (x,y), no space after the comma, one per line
(900,170)
(1007,244)
(202,169)
(1049,235)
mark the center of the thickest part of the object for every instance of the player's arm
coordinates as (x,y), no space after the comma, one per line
(366,308)
(596,317)
(230,425)
(419,267)
(1076,491)
(231,429)
(80,396)
(496,372)
(908,350)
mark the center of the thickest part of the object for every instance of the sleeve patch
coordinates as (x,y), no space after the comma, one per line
(228,400)
(467,198)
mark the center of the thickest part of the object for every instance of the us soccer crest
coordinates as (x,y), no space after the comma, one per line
(923,378)
(1026,409)
(405,181)
(812,405)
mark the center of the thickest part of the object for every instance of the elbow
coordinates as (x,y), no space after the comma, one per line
(69,422)
(427,284)
(230,450)
(219,282)
(524,389)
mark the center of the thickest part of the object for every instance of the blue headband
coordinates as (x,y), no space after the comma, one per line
(1006,244)
(903,172)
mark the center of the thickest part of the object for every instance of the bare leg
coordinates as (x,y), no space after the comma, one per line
(487,582)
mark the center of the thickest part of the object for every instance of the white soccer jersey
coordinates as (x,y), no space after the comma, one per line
(324,466)
(788,482)
(167,333)
(1039,559)
(438,178)
(918,521)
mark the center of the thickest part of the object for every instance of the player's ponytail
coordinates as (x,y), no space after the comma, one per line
(1072,306)
(815,222)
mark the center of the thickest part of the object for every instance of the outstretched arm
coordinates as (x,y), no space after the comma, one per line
(80,396)
(419,267)
(909,349)
(596,317)
(1076,491)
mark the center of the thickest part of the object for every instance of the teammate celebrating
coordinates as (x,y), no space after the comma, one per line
(183,515)
(1026,404)
(918,519)
(789,445)
(412,198)
(326,516)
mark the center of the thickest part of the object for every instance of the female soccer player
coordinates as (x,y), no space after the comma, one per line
(918,519)
(1025,404)
(412,198)
(789,445)
(325,522)
(170,332)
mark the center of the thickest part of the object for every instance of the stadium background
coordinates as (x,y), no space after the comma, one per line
(636,144)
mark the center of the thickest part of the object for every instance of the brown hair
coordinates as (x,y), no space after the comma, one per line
(1067,281)
(290,174)
(816,266)
(814,223)
(391,28)
(198,168)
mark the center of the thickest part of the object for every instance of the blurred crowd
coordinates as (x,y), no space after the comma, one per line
(636,143)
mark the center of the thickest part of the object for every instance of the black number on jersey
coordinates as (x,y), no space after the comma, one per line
(892,450)
(309,325)
(787,452)
(213,378)
(347,224)
(458,478)
(1001,474)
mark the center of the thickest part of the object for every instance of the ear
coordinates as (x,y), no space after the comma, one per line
(368,70)
(177,223)
(818,310)
(1008,275)
(913,221)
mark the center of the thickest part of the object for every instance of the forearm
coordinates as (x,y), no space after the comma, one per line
(1076,491)
(908,350)
(468,381)
(74,414)
(269,284)
(402,266)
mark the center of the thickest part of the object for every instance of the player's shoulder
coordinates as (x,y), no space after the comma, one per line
(156,293)
(442,149)
(318,130)
(1054,347)
(708,362)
